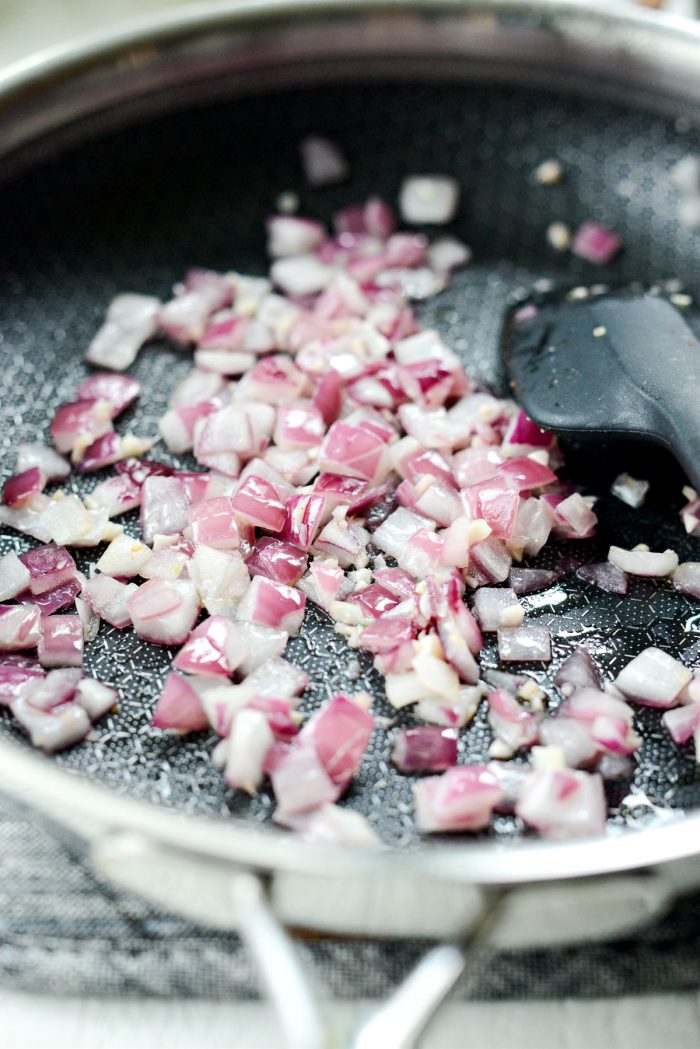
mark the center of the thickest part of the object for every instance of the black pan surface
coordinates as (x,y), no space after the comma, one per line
(131,210)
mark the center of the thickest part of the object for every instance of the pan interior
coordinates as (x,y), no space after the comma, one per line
(131,210)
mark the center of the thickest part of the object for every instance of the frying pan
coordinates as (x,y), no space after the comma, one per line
(125,160)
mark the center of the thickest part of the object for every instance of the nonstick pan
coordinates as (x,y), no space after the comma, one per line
(124,161)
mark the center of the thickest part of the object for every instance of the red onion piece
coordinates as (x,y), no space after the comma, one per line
(95,697)
(53,466)
(48,566)
(491,559)
(23,486)
(596,244)
(654,679)
(221,578)
(164,509)
(293,235)
(130,322)
(303,516)
(327,578)
(682,722)
(62,596)
(179,707)
(578,671)
(462,799)
(643,562)
(53,730)
(561,804)
(686,578)
(524,474)
(352,451)
(531,643)
(20,627)
(76,425)
(15,672)
(119,390)
(574,739)
(58,687)
(248,744)
(529,580)
(496,607)
(214,647)
(576,516)
(374,600)
(339,732)
(383,635)
(605,576)
(116,496)
(300,782)
(279,561)
(513,724)
(273,604)
(164,612)
(425,749)
(14,576)
(109,598)
(61,641)
(212,522)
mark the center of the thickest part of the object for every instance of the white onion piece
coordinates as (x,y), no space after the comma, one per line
(686,578)
(293,235)
(14,576)
(130,322)
(497,607)
(448,254)
(654,678)
(29,518)
(250,739)
(643,562)
(53,466)
(428,199)
(573,737)
(163,507)
(89,619)
(629,490)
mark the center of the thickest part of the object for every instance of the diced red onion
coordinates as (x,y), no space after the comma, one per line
(643,562)
(339,732)
(95,697)
(425,749)
(301,783)
(58,687)
(164,509)
(531,643)
(14,576)
(529,580)
(76,425)
(179,707)
(53,466)
(682,722)
(130,322)
(686,578)
(109,598)
(53,730)
(164,612)
(15,672)
(250,739)
(20,627)
(48,566)
(221,578)
(462,799)
(596,244)
(60,641)
(279,561)
(214,647)
(273,604)
(497,607)
(578,671)
(513,724)
(653,678)
(50,601)
(119,390)
(560,803)
(605,576)
(20,488)
(574,739)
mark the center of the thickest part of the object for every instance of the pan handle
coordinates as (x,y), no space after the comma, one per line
(237,900)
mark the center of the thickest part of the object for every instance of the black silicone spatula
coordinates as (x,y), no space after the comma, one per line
(611,364)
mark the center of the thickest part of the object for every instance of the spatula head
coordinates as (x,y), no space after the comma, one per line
(600,364)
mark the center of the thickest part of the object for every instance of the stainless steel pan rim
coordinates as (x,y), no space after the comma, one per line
(95,809)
